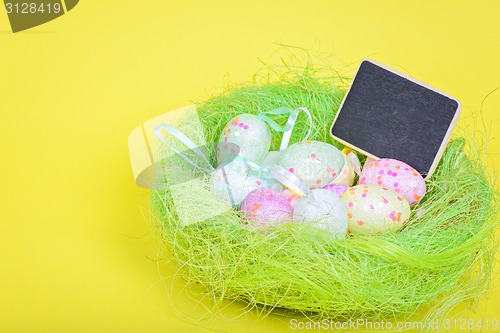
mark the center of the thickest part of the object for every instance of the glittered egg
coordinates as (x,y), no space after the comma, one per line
(290,196)
(346,174)
(315,163)
(338,189)
(266,207)
(232,186)
(323,209)
(396,175)
(373,210)
(247,132)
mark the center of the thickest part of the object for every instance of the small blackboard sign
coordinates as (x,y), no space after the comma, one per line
(386,114)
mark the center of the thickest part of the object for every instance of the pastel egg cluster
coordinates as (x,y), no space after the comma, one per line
(379,203)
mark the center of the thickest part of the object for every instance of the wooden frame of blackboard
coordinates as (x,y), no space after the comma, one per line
(446,138)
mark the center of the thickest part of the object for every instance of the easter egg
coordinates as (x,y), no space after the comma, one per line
(231,186)
(315,163)
(266,207)
(324,209)
(250,134)
(269,161)
(396,175)
(338,189)
(373,210)
(346,174)
(290,196)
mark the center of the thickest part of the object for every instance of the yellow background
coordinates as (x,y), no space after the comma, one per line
(77,253)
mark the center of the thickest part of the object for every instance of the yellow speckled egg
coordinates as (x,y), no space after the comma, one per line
(373,210)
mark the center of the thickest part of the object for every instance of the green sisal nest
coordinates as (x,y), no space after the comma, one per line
(443,256)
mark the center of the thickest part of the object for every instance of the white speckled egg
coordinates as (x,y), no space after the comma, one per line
(232,187)
(373,210)
(315,163)
(396,175)
(323,209)
(250,134)
(346,174)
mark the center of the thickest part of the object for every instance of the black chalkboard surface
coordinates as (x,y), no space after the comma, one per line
(386,114)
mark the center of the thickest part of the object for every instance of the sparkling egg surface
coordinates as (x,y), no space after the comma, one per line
(247,132)
(325,210)
(396,175)
(313,162)
(373,210)
(266,207)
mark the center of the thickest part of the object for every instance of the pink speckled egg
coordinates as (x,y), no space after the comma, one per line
(266,207)
(395,175)
(373,210)
(338,189)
